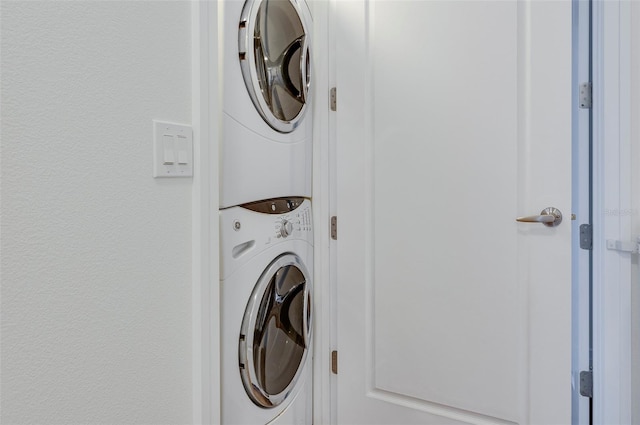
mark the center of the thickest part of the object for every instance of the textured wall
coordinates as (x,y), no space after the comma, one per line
(96,261)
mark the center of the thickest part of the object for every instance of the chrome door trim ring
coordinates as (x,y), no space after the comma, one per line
(245,340)
(249,68)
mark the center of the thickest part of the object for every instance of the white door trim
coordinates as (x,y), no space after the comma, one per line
(205,227)
(323,208)
(581,170)
(611,212)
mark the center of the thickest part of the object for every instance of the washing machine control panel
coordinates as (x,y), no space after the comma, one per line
(298,220)
(245,232)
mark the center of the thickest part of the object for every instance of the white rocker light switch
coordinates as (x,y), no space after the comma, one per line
(172,150)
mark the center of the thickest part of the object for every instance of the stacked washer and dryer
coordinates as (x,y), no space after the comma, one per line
(266,232)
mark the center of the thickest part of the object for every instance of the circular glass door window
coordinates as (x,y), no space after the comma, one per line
(274,58)
(276,332)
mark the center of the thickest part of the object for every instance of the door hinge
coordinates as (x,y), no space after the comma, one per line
(624,246)
(586,383)
(333,102)
(334,228)
(334,362)
(586,95)
(586,236)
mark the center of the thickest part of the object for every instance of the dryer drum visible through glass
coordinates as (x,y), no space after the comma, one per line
(276,332)
(274,57)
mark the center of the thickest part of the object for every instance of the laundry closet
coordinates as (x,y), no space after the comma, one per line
(266,227)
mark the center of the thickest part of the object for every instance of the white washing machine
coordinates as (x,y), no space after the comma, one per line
(266,269)
(266,147)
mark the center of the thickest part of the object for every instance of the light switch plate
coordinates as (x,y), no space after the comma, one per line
(172,150)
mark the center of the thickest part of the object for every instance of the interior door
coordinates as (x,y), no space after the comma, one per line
(453,119)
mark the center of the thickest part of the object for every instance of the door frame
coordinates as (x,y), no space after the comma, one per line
(324,207)
(612,212)
(581,192)
(205,298)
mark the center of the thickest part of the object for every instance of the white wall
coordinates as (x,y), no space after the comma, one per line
(96,254)
(635,210)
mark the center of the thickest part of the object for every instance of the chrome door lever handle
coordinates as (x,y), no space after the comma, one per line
(550,217)
(537,219)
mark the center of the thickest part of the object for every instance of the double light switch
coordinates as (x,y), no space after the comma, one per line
(172,150)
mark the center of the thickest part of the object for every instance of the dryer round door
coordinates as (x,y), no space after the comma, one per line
(276,332)
(274,57)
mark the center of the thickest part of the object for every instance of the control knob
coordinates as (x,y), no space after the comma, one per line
(286,228)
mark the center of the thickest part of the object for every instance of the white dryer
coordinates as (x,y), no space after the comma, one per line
(266,147)
(266,271)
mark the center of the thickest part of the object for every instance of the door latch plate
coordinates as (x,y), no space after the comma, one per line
(624,246)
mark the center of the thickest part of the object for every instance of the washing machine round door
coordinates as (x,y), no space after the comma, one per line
(276,332)
(274,57)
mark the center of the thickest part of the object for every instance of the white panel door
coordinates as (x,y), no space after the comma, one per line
(454,118)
